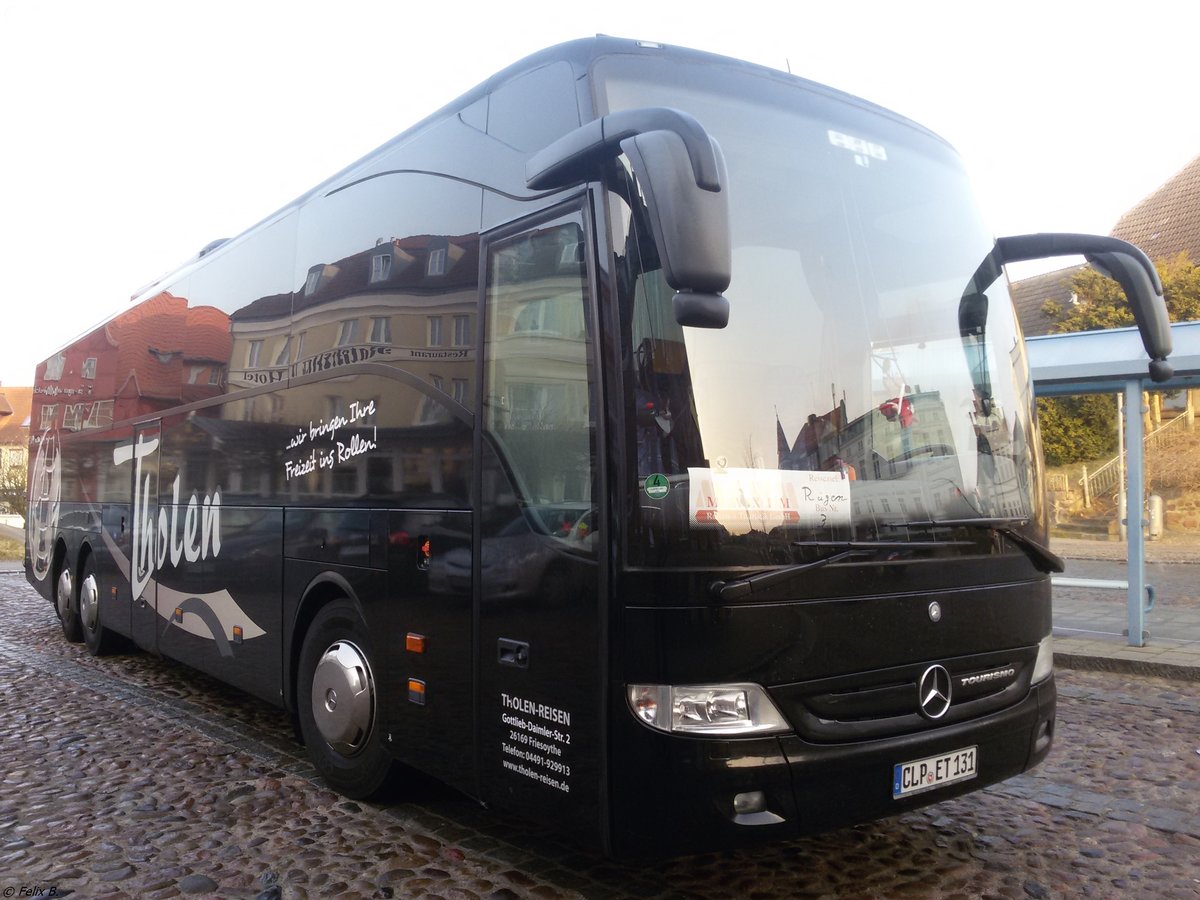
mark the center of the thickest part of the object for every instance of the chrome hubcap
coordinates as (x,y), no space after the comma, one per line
(343,698)
(66,587)
(89,602)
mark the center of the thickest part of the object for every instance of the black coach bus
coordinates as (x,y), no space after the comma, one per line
(644,441)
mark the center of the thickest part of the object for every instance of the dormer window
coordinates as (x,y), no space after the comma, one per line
(314,280)
(381,267)
(89,367)
(437,262)
(319,277)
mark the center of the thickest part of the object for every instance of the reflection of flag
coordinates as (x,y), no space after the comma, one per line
(898,408)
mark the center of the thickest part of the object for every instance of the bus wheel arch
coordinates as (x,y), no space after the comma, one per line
(66,602)
(337,700)
(326,588)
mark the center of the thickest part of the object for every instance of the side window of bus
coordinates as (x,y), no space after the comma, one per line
(538,395)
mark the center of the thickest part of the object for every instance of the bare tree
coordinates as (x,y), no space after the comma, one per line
(13,491)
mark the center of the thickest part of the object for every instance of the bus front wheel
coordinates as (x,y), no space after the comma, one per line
(338,701)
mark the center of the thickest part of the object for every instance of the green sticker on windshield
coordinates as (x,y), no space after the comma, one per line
(656,486)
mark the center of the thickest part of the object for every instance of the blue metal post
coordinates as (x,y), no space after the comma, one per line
(1134,504)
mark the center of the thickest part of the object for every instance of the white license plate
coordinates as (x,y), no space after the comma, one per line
(933,772)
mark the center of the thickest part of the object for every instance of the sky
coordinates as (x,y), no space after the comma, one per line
(133,133)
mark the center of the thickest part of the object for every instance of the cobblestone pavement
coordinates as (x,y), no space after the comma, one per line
(132,777)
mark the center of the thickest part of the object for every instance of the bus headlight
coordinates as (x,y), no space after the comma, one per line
(706,709)
(1043,666)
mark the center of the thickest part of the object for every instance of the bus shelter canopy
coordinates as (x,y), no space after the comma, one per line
(1114,361)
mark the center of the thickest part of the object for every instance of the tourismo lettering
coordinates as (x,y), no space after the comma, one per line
(154,542)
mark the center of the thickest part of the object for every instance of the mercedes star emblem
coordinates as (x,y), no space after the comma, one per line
(933,694)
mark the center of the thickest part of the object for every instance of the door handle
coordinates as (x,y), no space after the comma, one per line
(513,653)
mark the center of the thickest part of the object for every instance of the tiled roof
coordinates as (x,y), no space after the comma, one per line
(1164,224)
(1030,294)
(1168,221)
(14,428)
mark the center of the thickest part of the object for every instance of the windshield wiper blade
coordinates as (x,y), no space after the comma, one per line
(741,587)
(1045,559)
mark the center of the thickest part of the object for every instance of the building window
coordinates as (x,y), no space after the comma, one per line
(432,410)
(437,262)
(73,416)
(365,418)
(533,317)
(313,281)
(281,358)
(300,346)
(381,267)
(349,333)
(100,415)
(89,367)
(49,411)
(460,390)
(335,407)
(462,331)
(253,354)
(214,375)
(381,330)
(55,366)
(435,331)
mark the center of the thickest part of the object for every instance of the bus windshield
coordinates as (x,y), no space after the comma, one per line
(867,386)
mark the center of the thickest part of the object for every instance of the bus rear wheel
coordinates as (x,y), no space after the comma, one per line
(100,641)
(338,701)
(67,606)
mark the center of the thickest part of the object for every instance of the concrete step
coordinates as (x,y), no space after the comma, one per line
(1085,529)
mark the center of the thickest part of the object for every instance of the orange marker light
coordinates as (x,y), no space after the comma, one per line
(414,643)
(416,691)
(238,634)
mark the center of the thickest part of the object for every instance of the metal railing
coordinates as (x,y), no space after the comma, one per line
(1108,476)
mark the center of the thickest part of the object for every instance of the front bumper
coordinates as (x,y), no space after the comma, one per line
(673,795)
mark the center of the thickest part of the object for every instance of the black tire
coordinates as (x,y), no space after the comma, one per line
(66,604)
(99,640)
(340,726)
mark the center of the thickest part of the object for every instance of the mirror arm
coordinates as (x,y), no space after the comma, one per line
(1022,247)
(568,160)
(1117,259)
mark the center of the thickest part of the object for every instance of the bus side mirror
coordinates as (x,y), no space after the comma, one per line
(683,179)
(1119,260)
(690,226)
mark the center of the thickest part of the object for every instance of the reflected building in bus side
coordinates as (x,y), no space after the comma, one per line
(158,355)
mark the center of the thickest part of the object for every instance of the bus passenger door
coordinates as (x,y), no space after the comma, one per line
(143,516)
(538,690)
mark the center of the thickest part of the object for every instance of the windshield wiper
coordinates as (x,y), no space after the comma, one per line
(741,587)
(1042,556)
